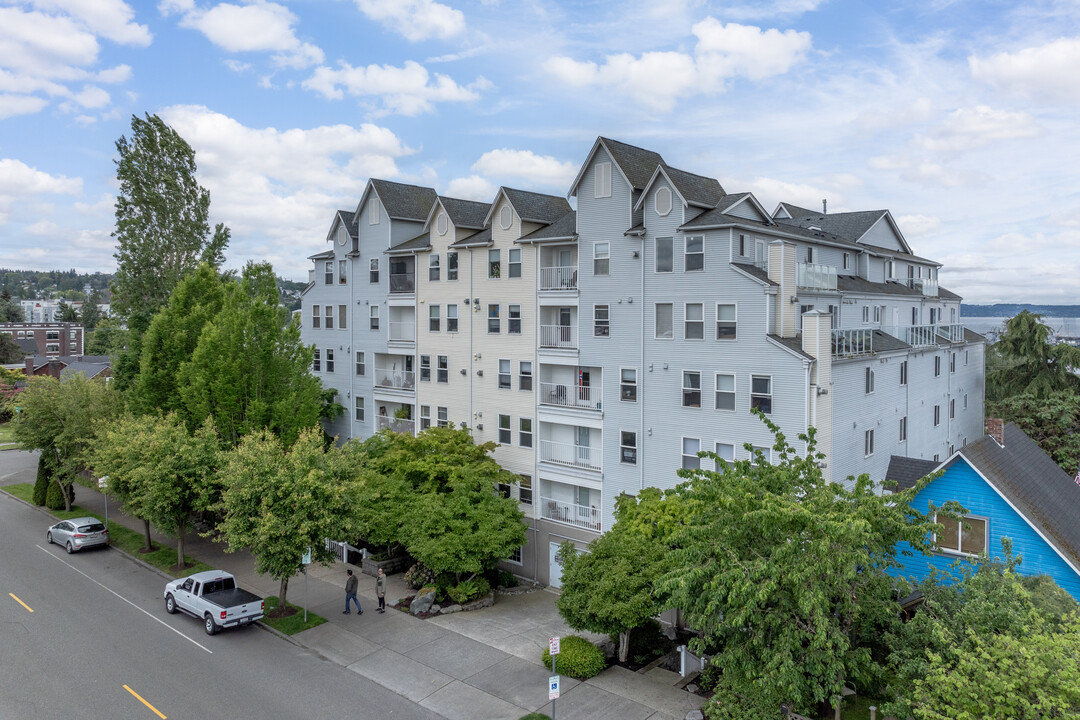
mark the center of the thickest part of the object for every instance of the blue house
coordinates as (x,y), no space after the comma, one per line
(1010,488)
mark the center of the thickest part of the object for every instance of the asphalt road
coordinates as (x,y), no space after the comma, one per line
(99,639)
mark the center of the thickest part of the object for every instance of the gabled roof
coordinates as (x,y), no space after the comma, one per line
(696,190)
(755,272)
(727,202)
(530,206)
(848,225)
(565,228)
(420,242)
(400,201)
(465,214)
(324,255)
(90,370)
(792,345)
(634,163)
(907,471)
(346,218)
(947,294)
(716,218)
(475,240)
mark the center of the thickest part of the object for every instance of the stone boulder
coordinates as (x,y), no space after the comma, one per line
(423,601)
(450,609)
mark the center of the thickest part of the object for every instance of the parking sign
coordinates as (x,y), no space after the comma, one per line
(553,646)
(553,688)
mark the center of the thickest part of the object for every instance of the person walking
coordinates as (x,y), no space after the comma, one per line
(350,594)
(380,590)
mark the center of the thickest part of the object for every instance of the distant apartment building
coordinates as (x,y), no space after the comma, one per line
(47,338)
(47,311)
(602,349)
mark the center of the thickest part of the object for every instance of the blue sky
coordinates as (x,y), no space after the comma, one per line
(960,117)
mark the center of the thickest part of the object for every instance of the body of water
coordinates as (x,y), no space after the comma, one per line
(1068,327)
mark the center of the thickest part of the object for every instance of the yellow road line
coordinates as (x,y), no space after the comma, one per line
(140,699)
(21,602)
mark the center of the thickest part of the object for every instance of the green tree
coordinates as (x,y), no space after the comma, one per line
(109,337)
(10,351)
(1023,362)
(171,341)
(280,501)
(609,589)
(61,418)
(162,227)
(90,314)
(1052,421)
(10,311)
(162,471)
(66,312)
(783,574)
(250,370)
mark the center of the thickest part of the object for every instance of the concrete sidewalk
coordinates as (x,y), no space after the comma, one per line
(464,666)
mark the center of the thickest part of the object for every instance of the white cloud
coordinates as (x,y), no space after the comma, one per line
(12,105)
(408,90)
(110,19)
(472,187)
(20,183)
(914,226)
(660,79)
(527,165)
(969,128)
(278,189)
(266,27)
(770,192)
(415,19)
(771,9)
(1046,72)
(92,96)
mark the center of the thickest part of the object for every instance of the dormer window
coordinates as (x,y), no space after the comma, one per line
(373,213)
(441,224)
(663,201)
(602,180)
(506,217)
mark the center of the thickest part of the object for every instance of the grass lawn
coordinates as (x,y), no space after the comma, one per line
(7,437)
(294,623)
(121,538)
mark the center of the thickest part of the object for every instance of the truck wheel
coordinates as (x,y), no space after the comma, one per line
(211,628)
(170,604)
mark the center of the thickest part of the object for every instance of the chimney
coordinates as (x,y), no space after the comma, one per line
(824,206)
(995,428)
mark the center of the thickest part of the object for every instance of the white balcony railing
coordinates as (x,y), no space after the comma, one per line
(929,287)
(570,514)
(813,276)
(573,396)
(399,379)
(558,336)
(399,425)
(952,333)
(403,331)
(852,343)
(920,335)
(579,456)
(558,278)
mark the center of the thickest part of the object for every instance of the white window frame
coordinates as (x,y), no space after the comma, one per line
(373,213)
(868,443)
(733,392)
(868,380)
(937,415)
(722,459)
(506,217)
(624,447)
(316,318)
(525,373)
(494,266)
(496,318)
(329,362)
(692,460)
(960,535)
(525,437)
(952,408)
(373,317)
(768,397)
(361,363)
(665,192)
(434,269)
(508,430)
(687,388)
(903,429)
(451,265)
(734,323)
(602,180)
(442,417)
(328,272)
(342,316)
(425,417)
(624,385)
(359,408)
(373,271)
(505,377)
(937,366)
(425,368)
(442,369)
(687,254)
(510,326)
(513,266)
(601,325)
(670,242)
(328,317)
(700,323)
(656,318)
(903,373)
(451,318)
(316,361)
(442,223)
(601,258)
(523,488)
(434,318)
(343,277)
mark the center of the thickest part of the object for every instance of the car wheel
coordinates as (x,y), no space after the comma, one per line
(69,548)
(211,628)
(48,537)
(170,604)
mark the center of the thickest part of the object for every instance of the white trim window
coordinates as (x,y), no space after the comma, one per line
(601,263)
(316,318)
(433,267)
(628,384)
(664,253)
(952,363)
(525,376)
(966,536)
(761,393)
(602,180)
(628,447)
(937,415)
(506,217)
(690,449)
(328,272)
(443,417)
(903,429)
(866,314)
(725,391)
(903,372)
(726,319)
(868,381)
(937,365)
(513,320)
(329,360)
(847,261)
(664,323)
(868,443)
(361,364)
(373,321)
(691,389)
(525,496)
(343,315)
(505,375)
(359,400)
(952,408)
(494,263)
(425,368)
(451,318)
(316,361)
(694,254)
(513,262)
(663,201)
(451,266)
(373,271)
(425,417)
(442,224)
(494,324)
(601,321)
(694,321)
(766,455)
(525,432)
(328,317)
(373,213)
(434,318)
(725,452)
(342,271)
(442,369)
(505,433)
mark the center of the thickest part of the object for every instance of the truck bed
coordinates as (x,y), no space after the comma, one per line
(231,598)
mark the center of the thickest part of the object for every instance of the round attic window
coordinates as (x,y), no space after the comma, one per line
(440,223)
(663,201)
(506,217)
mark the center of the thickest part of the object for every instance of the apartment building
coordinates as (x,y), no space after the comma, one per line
(46,338)
(603,348)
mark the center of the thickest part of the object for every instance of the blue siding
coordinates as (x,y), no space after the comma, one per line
(961,483)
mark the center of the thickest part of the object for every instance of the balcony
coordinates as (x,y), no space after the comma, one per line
(587,518)
(558,278)
(852,343)
(396,379)
(398,425)
(403,282)
(952,333)
(558,336)
(920,335)
(582,457)
(570,396)
(402,331)
(812,276)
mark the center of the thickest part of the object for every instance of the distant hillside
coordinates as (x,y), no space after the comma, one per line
(1010,309)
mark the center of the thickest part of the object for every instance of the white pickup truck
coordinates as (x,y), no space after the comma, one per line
(214,597)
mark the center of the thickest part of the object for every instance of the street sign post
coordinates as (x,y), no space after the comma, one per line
(553,681)
(306,560)
(103,486)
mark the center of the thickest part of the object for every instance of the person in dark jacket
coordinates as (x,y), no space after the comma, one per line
(380,590)
(350,594)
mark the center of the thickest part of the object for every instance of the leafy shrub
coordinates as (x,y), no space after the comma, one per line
(507,579)
(418,576)
(443,583)
(535,716)
(578,658)
(647,642)
(44,478)
(54,497)
(469,590)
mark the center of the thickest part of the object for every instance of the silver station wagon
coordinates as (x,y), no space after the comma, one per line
(78,533)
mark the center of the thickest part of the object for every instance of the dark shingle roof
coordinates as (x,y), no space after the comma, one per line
(970,336)
(404,202)
(562,229)
(88,369)
(695,189)
(481,238)
(903,255)
(537,207)
(849,225)
(947,294)
(348,219)
(884,342)
(467,214)
(1033,483)
(420,242)
(716,217)
(907,471)
(794,344)
(636,163)
(28,346)
(755,271)
(851,283)
(324,255)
